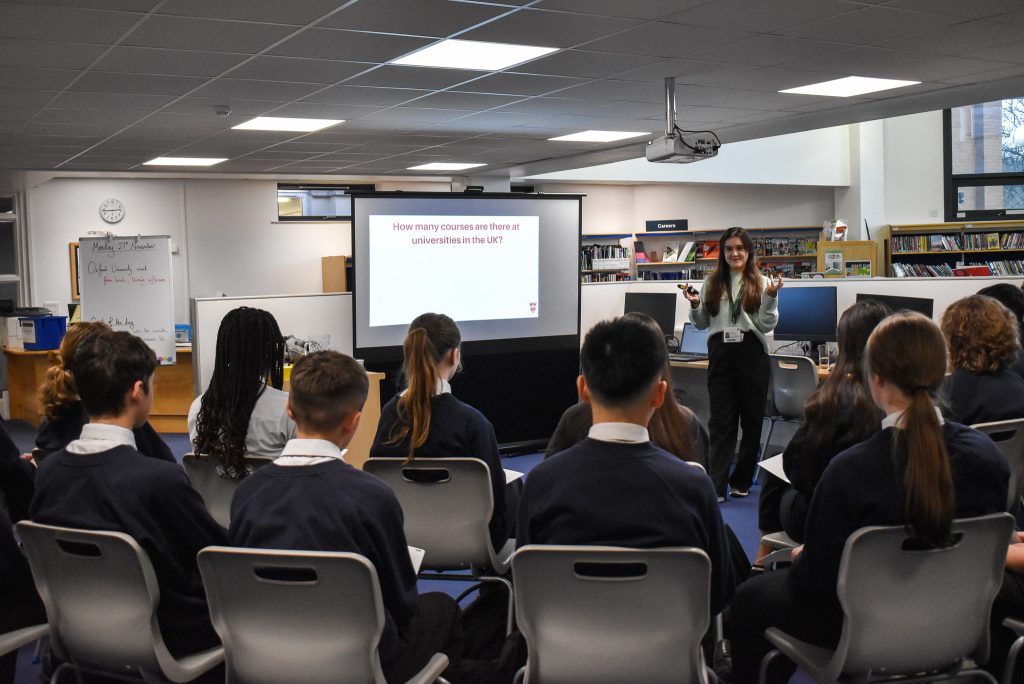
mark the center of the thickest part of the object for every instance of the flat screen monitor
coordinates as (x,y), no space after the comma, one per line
(918,304)
(807,314)
(661,306)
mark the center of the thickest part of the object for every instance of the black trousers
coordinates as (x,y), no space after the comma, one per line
(15,616)
(1009,603)
(738,374)
(434,629)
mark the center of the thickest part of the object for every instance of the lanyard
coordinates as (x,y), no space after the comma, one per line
(734,306)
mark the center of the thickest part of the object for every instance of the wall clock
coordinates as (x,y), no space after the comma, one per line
(111,210)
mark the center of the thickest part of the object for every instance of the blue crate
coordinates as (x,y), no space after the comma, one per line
(43,332)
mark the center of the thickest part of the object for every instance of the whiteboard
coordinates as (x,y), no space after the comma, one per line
(126,281)
(305,316)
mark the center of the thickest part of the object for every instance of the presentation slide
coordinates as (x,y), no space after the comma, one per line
(472,267)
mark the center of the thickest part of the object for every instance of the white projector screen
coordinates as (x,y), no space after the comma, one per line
(502,267)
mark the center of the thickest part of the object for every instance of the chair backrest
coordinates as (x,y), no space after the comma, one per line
(793,380)
(1009,437)
(602,614)
(912,610)
(216,491)
(447,504)
(100,594)
(295,615)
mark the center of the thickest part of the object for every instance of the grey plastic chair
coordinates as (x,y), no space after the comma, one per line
(309,616)
(447,503)
(601,614)
(12,641)
(793,379)
(906,611)
(1011,657)
(101,594)
(781,545)
(1009,437)
(216,491)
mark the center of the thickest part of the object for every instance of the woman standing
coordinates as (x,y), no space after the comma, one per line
(741,306)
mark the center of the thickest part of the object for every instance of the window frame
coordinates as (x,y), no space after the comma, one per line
(952,182)
(349,188)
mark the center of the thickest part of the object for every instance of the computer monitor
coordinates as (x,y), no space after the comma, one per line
(661,306)
(694,340)
(919,304)
(807,314)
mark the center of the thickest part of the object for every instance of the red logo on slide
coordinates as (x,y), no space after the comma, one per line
(533,307)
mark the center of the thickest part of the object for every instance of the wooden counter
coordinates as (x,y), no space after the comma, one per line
(26,373)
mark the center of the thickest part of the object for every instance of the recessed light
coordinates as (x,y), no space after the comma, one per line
(444,166)
(849,86)
(184,161)
(279,123)
(598,136)
(472,54)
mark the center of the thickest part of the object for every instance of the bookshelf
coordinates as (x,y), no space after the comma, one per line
(942,250)
(604,259)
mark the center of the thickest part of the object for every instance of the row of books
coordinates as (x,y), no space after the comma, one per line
(596,257)
(901,244)
(1008,267)
(922,270)
(605,277)
(682,274)
(786,246)
(982,240)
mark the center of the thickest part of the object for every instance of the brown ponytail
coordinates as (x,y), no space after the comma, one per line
(58,390)
(908,350)
(431,336)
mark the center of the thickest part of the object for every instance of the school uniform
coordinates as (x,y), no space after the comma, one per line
(984,397)
(861,486)
(56,434)
(575,424)
(616,488)
(269,428)
(309,499)
(457,430)
(738,375)
(101,482)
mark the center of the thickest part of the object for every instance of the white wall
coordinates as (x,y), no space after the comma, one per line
(913,169)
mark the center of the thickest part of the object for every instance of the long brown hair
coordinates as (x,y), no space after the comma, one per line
(908,351)
(719,282)
(58,390)
(431,336)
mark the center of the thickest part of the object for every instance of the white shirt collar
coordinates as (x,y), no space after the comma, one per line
(630,433)
(97,437)
(443,387)
(891,419)
(305,452)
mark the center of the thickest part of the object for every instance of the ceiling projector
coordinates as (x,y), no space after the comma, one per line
(683,148)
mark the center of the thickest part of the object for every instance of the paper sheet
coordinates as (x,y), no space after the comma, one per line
(416,555)
(511,475)
(774,466)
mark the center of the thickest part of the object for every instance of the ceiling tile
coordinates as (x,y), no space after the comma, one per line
(648,9)
(1011,18)
(30,78)
(134,60)
(630,109)
(437,18)
(611,90)
(314,110)
(39,22)
(297,70)
(40,53)
(550,105)
(122,5)
(586,64)
(160,128)
(961,39)
(273,11)
(97,116)
(860,61)
(509,83)
(72,129)
(206,35)
(412,115)
(208,106)
(685,71)
(144,103)
(775,79)
(359,95)
(869,26)
(141,84)
(348,45)
(975,9)
(763,16)
(1011,52)
(942,69)
(26,98)
(455,100)
(243,89)
(661,39)
(17,113)
(548,29)
(394,76)
(767,51)
(1008,72)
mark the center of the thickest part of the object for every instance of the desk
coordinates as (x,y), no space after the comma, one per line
(703,365)
(26,373)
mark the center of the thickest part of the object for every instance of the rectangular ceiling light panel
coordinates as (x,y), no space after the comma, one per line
(279,123)
(473,54)
(849,86)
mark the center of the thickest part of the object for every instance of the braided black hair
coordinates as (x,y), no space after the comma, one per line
(250,355)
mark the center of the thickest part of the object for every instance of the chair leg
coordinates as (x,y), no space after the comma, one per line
(764,449)
(510,622)
(1011,660)
(766,662)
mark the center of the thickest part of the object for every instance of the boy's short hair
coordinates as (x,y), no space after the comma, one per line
(326,388)
(622,359)
(106,367)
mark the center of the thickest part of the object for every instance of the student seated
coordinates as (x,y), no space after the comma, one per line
(65,414)
(1009,603)
(1012,297)
(427,420)
(20,605)
(984,340)
(673,426)
(616,488)
(242,411)
(840,413)
(918,470)
(309,499)
(101,482)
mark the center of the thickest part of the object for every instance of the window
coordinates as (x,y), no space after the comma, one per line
(308,202)
(984,159)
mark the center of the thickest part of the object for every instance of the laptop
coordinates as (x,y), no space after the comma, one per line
(693,344)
